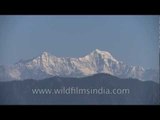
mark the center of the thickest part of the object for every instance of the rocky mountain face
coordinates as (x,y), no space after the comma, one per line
(47,65)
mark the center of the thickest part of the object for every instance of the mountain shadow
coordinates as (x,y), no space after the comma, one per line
(102,86)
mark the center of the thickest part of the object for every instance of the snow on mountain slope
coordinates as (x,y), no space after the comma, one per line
(47,65)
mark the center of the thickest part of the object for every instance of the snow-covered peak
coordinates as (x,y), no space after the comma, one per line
(45,54)
(101,54)
(97,61)
(104,54)
(97,50)
(100,51)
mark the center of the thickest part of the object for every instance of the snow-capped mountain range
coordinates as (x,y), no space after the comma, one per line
(47,65)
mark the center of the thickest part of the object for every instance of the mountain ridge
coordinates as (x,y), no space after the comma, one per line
(46,65)
(21,92)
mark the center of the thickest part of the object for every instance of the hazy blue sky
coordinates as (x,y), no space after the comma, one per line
(131,39)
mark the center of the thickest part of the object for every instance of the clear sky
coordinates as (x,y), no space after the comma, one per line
(131,39)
